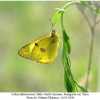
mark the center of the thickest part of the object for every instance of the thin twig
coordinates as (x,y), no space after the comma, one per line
(92,28)
(90,58)
(97,22)
(82,11)
(94,16)
(87,19)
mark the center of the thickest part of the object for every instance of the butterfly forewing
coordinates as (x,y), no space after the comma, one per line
(26,50)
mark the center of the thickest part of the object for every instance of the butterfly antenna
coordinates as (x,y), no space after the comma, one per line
(51,24)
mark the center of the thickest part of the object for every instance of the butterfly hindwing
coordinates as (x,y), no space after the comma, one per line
(45,50)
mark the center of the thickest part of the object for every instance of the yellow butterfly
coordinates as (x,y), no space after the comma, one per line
(42,50)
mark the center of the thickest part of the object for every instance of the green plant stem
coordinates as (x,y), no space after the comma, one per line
(67,5)
(68,77)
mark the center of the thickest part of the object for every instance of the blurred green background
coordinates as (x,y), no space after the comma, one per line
(21,23)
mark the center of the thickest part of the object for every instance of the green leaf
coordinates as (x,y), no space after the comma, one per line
(66,40)
(95,8)
(69,84)
(60,9)
(82,88)
(85,4)
(68,78)
(56,17)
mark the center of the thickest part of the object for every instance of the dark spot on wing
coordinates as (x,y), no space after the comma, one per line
(36,44)
(42,49)
(24,46)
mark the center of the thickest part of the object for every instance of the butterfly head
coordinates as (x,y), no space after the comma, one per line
(53,33)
